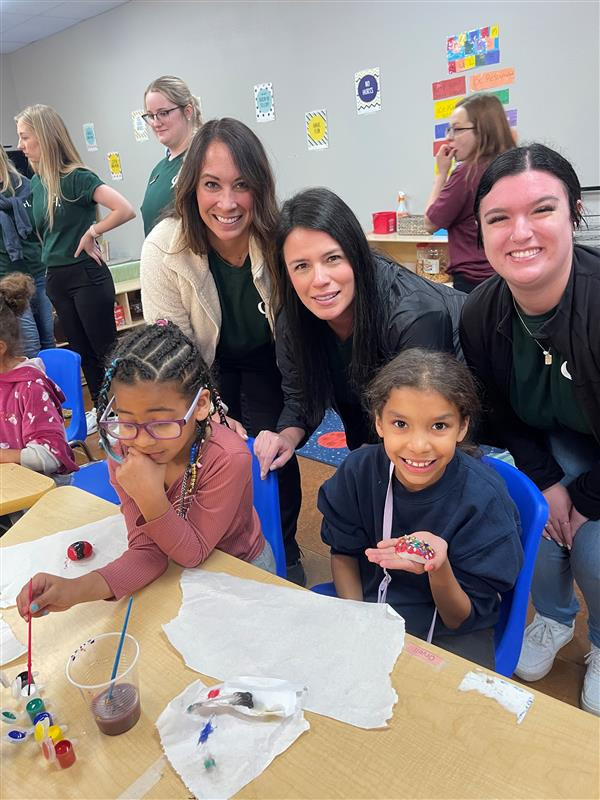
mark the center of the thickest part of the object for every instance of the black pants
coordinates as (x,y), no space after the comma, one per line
(252,392)
(477,646)
(463,284)
(83,295)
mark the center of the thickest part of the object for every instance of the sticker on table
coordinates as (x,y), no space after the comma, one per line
(264,102)
(89,134)
(367,88)
(475,48)
(114,165)
(491,79)
(425,655)
(140,129)
(317,130)
(448,88)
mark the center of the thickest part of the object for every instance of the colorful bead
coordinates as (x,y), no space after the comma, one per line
(79,550)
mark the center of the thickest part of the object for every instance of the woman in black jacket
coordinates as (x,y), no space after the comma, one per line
(532,336)
(341,312)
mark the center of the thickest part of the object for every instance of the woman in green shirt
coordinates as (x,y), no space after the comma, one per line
(20,251)
(65,196)
(173,113)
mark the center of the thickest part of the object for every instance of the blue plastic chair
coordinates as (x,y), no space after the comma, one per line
(533,510)
(93,478)
(266,503)
(64,368)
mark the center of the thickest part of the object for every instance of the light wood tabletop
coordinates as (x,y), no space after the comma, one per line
(440,743)
(21,487)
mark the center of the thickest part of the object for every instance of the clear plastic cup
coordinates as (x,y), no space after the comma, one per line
(115,705)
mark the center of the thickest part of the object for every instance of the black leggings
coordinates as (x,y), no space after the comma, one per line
(253,396)
(83,295)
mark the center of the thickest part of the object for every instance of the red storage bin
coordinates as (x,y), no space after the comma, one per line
(384,222)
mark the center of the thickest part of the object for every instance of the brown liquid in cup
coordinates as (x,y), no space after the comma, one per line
(119,713)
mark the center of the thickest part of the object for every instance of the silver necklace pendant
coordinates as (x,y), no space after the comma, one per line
(547,358)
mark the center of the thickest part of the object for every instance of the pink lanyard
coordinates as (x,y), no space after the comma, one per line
(388,514)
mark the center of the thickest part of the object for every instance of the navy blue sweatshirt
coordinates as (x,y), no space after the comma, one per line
(469,507)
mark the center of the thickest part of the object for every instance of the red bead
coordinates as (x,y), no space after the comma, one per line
(79,550)
(214,693)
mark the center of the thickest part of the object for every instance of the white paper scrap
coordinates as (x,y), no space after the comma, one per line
(241,746)
(513,698)
(10,646)
(20,562)
(342,650)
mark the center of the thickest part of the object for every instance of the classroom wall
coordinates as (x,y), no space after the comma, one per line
(97,71)
(8,103)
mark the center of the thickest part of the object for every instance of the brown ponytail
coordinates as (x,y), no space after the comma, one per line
(16,289)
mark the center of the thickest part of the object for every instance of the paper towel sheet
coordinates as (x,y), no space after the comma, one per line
(10,646)
(515,699)
(342,650)
(241,746)
(21,561)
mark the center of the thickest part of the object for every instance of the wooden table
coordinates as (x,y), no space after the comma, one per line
(21,487)
(441,743)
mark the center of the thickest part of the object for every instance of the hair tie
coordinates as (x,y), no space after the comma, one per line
(162,322)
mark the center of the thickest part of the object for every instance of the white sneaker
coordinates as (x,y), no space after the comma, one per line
(543,639)
(91,421)
(590,694)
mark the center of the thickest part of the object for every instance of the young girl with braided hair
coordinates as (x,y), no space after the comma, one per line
(185,483)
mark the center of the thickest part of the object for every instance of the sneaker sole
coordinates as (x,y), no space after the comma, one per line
(590,709)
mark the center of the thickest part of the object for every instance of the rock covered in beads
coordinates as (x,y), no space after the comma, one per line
(414,549)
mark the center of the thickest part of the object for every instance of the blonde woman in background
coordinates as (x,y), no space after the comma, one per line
(20,251)
(173,113)
(478,132)
(65,196)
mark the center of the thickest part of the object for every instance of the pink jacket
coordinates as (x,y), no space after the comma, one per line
(220,515)
(30,413)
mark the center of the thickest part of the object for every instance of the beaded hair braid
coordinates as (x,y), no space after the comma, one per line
(162,353)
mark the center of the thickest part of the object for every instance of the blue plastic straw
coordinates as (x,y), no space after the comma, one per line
(120,647)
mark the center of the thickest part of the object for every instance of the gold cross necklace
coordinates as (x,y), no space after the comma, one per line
(547,353)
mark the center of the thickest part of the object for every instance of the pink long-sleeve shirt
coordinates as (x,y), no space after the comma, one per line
(220,515)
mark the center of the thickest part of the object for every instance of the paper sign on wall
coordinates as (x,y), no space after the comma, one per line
(114,165)
(448,88)
(443,108)
(469,49)
(491,79)
(264,102)
(367,89)
(317,131)
(140,129)
(89,134)
(511,116)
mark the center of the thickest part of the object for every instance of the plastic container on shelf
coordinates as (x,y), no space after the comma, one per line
(431,263)
(384,222)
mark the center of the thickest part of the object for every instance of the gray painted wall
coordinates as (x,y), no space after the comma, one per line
(97,71)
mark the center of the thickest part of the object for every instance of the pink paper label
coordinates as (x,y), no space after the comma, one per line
(424,655)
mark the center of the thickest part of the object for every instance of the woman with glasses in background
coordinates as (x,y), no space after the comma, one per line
(478,132)
(173,113)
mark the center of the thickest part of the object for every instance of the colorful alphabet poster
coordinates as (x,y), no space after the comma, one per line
(89,134)
(491,79)
(140,129)
(114,165)
(469,49)
(367,88)
(317,130)
(264,102)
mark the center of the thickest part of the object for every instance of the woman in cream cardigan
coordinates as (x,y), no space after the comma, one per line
(205,269)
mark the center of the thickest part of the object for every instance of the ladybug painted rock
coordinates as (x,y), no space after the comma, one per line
(79,550)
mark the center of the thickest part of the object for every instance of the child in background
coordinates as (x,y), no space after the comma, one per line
(185,483)
(32,431)
(421,481)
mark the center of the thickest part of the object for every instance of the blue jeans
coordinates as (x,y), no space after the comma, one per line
(556,567)
(37,322)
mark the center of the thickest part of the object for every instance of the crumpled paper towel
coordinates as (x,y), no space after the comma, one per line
(241,746)
(10,646)
(513,698)
(342,650)
(20,562)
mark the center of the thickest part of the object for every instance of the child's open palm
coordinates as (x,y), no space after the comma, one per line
(384,554)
